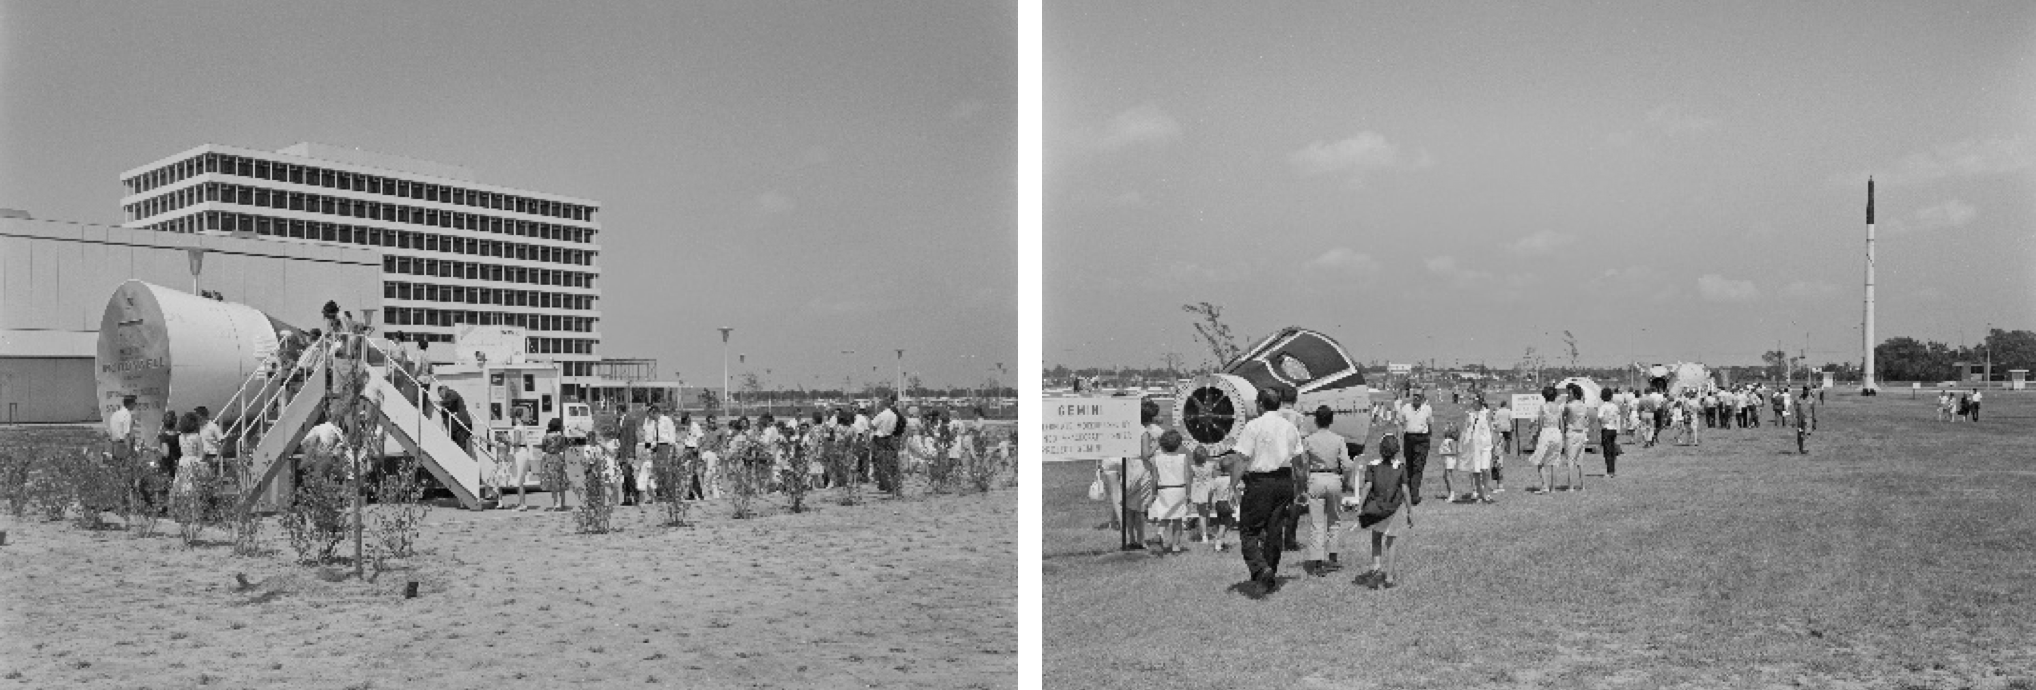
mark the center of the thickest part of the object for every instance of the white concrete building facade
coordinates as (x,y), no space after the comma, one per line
(453,251)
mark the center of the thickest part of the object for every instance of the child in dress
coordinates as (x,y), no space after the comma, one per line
(1202,490)
(1222,493)
(1383,503)
(1452,462)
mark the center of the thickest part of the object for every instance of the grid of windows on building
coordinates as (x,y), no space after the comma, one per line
(516,258)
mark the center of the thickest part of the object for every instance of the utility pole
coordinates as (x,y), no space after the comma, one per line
(725,330)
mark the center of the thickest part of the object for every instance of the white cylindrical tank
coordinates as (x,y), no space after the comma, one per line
(175,350)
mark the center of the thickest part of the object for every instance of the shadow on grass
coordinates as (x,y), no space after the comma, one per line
(1250,589)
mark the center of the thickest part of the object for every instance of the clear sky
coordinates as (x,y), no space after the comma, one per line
(820,176)
(1461,181)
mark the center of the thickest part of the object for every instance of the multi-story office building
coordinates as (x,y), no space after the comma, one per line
(453,251)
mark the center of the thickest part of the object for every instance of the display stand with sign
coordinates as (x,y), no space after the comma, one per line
(1526,407)
(1094,428)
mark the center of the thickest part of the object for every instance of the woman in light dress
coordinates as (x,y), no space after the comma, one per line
(1478,436)
(192,446)
(1173,479)
(1129,480)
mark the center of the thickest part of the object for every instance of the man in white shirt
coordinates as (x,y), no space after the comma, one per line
(705,480)
(322,445)
(861,428)
(884,436)
(120,429)
(1502,421)
(1415,418)
(1975,405)
(1608,432)
(657,435)
(1271,452)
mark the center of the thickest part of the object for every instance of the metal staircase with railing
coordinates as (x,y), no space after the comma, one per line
(272,417)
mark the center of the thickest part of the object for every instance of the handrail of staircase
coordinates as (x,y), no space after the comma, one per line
(487,443)
(242,392)
(241,424)
(268,373)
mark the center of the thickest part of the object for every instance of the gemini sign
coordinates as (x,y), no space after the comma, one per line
(1090,428)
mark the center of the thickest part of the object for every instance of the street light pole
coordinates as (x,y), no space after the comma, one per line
(847,377)
(197,257)
(725,330)
(899,389)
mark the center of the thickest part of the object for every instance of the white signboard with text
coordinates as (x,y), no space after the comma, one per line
(1526,406)
(476,344)
(1398,368)
(1090,428)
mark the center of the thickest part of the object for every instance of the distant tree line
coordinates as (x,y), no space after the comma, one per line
(1907,359)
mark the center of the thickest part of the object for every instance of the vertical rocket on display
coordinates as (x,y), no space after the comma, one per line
(1867,386)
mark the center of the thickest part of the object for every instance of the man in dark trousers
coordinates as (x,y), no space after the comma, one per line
(1415,418)
(1270,452)
(1290,517)
(626,440)
(458,423)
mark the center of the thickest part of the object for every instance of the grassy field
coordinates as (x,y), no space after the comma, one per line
(911,593)
(1901,553)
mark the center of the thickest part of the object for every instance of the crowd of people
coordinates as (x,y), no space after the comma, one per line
(1275,474)
(878,446)
(1953,406)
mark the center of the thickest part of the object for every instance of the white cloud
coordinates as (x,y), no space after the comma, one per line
(1543,243)
(1969,158)
(1359,154)
(1144,124)
(1175,274)
(1717,288)
(1458,276)
(1645,281)
(1950,214)
(774,203)
(1672,119)
(1809,291)
(1348,260)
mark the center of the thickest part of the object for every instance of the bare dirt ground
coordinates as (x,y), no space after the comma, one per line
(1901,553)
(911,593)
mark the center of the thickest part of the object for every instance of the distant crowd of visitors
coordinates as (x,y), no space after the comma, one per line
(881,446)
(1274,473)
(1953,406)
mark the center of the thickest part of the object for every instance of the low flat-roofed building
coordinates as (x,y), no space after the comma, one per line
(56,276)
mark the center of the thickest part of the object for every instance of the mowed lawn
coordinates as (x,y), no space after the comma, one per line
(1900,553)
